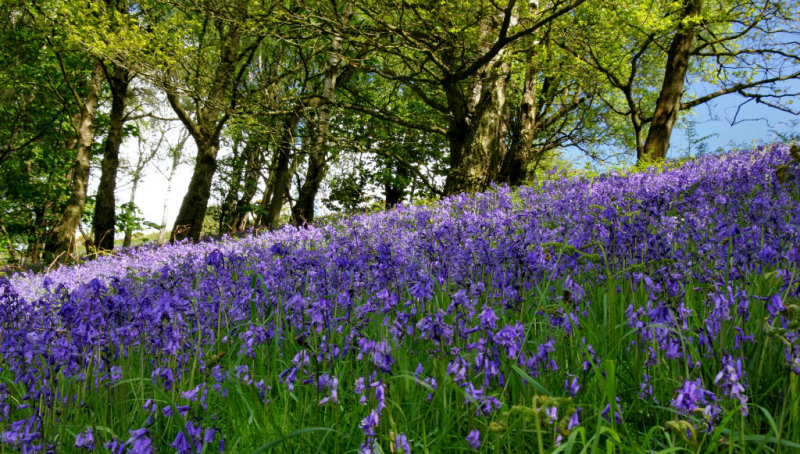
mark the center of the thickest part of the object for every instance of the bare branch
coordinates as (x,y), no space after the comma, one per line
(736,88)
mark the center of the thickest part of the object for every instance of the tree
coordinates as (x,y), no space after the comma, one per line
(734,47)
(34,129)
(198,54)
(119,79)
(458,66)
(303,210)
(221,58)
(376,138)
(82,75)
(61,238)
(174,156)
(746,47)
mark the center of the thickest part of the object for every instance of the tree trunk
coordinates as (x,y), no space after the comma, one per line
(477,145)
(303,212)
(253,156)
(459,134)
(669,99)
(393,193)
(128,239)
(105,207)
(489,144)
(37,236)
(205,129)
(514,170)
(12,254)
(280,175)
(61,240)
(477,127)
(266,196)
(228,208)
(189,223)
(162,233)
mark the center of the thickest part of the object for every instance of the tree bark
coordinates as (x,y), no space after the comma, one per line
(61,240)
(205,130)
(489,144)
(280,175)
(189,223)
(477,144)
(514,170)
(394,193)
(105,206)
(303,211)
(228,208)
(477,127)
(459,134)
(35,239)
(669,99)
(253,155)
(266,196)
(128,238)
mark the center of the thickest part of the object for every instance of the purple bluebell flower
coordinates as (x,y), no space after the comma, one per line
(215,258)
(139,442)
(380,395)
(184,445)
(646,387)
(262,390)
(401,442)
(22,433)
(729,379)
(435,328)
(511,338)
(574,420)
(422,289)
(617,414)
(208,435)
(572,385)
(775,306)
(369,423)
(692,396)
(488,318)
(193,394)
(792,355)
(114,446)
(431,382)
(474,439)
(552,414)
(181,444)
(85,440)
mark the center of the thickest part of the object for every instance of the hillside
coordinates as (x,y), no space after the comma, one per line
(642,311)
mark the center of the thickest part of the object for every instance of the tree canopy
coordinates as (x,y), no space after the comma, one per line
(293,107)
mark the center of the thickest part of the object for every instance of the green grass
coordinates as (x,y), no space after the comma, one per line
(294,422)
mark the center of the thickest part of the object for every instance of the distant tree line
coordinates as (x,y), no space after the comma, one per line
(414,97)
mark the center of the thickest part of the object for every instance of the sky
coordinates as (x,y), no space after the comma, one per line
(754,124)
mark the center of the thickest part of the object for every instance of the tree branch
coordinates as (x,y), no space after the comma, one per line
(504,40)
(734,89)
(184,117)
